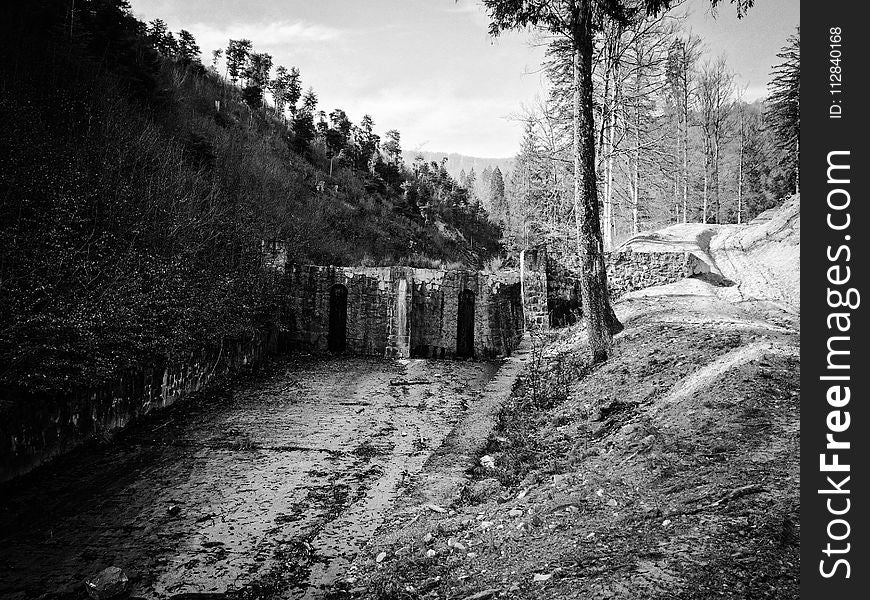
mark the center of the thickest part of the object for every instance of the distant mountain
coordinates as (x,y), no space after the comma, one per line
(459,162)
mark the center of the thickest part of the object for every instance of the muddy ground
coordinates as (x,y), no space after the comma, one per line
(265,490)
(670,471)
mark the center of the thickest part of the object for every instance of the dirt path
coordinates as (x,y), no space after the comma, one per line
(269,489)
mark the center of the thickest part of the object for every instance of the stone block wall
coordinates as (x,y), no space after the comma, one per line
(371,292)
(533,280)
(34,429)
(402,311)
(629,271)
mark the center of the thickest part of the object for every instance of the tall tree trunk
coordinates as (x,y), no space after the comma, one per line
(706,174)
(601,321)
(797,166)
(611,225)
(578,190)
(635,186)
(716,203)
(740,169)
(685,108)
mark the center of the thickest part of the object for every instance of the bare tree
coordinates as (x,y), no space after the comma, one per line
(715,93)
(682,62)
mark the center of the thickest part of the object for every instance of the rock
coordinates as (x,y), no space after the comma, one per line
(448,526)
(430,553)
(561,479)
(111,582)
(481,491)
(541,577)
(515,512)
(453,543)
(436,508)
(380,557)
(427,538)
(487,461)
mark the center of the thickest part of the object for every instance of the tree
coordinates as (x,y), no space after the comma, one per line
(278,87)
(292,89)
(309,101)
(392,147)
(258,68)
(470,183)
(367,143)
(715,91)
(576,22)
(682,61)
(784,112)
(237,58)
(215,57)
(188,49)
(497,204)
(161,38)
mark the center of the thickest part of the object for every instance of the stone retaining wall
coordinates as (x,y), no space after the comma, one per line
(629,271)
(34,429)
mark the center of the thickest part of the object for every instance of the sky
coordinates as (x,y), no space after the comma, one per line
(428,67)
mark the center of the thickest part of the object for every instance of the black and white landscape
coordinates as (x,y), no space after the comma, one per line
(399,299)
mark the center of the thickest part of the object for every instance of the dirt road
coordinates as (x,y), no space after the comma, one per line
(269,488)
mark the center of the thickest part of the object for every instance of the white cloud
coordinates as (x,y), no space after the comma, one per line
(277,33)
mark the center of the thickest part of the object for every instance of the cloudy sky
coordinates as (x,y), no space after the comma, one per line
(428,67)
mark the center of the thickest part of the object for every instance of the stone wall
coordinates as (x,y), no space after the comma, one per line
(533,281)
(402,311)
(629,271)
(34,429)
(371,291)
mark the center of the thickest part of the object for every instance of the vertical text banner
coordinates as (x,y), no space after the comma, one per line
(834,262)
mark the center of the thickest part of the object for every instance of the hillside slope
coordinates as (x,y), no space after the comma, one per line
(137,188)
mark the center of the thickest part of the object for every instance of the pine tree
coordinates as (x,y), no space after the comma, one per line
(784,113)
(161,38)
(188,49)
(498,208)
(237,57)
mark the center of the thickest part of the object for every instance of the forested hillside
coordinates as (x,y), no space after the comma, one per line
(137,187)
(676,139)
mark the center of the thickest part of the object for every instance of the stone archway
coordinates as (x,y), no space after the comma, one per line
(337,338)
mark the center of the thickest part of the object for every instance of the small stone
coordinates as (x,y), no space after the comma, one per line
(427,538)
(111,582)
(515,512)
(380,557)
(430,553)
(666,522)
